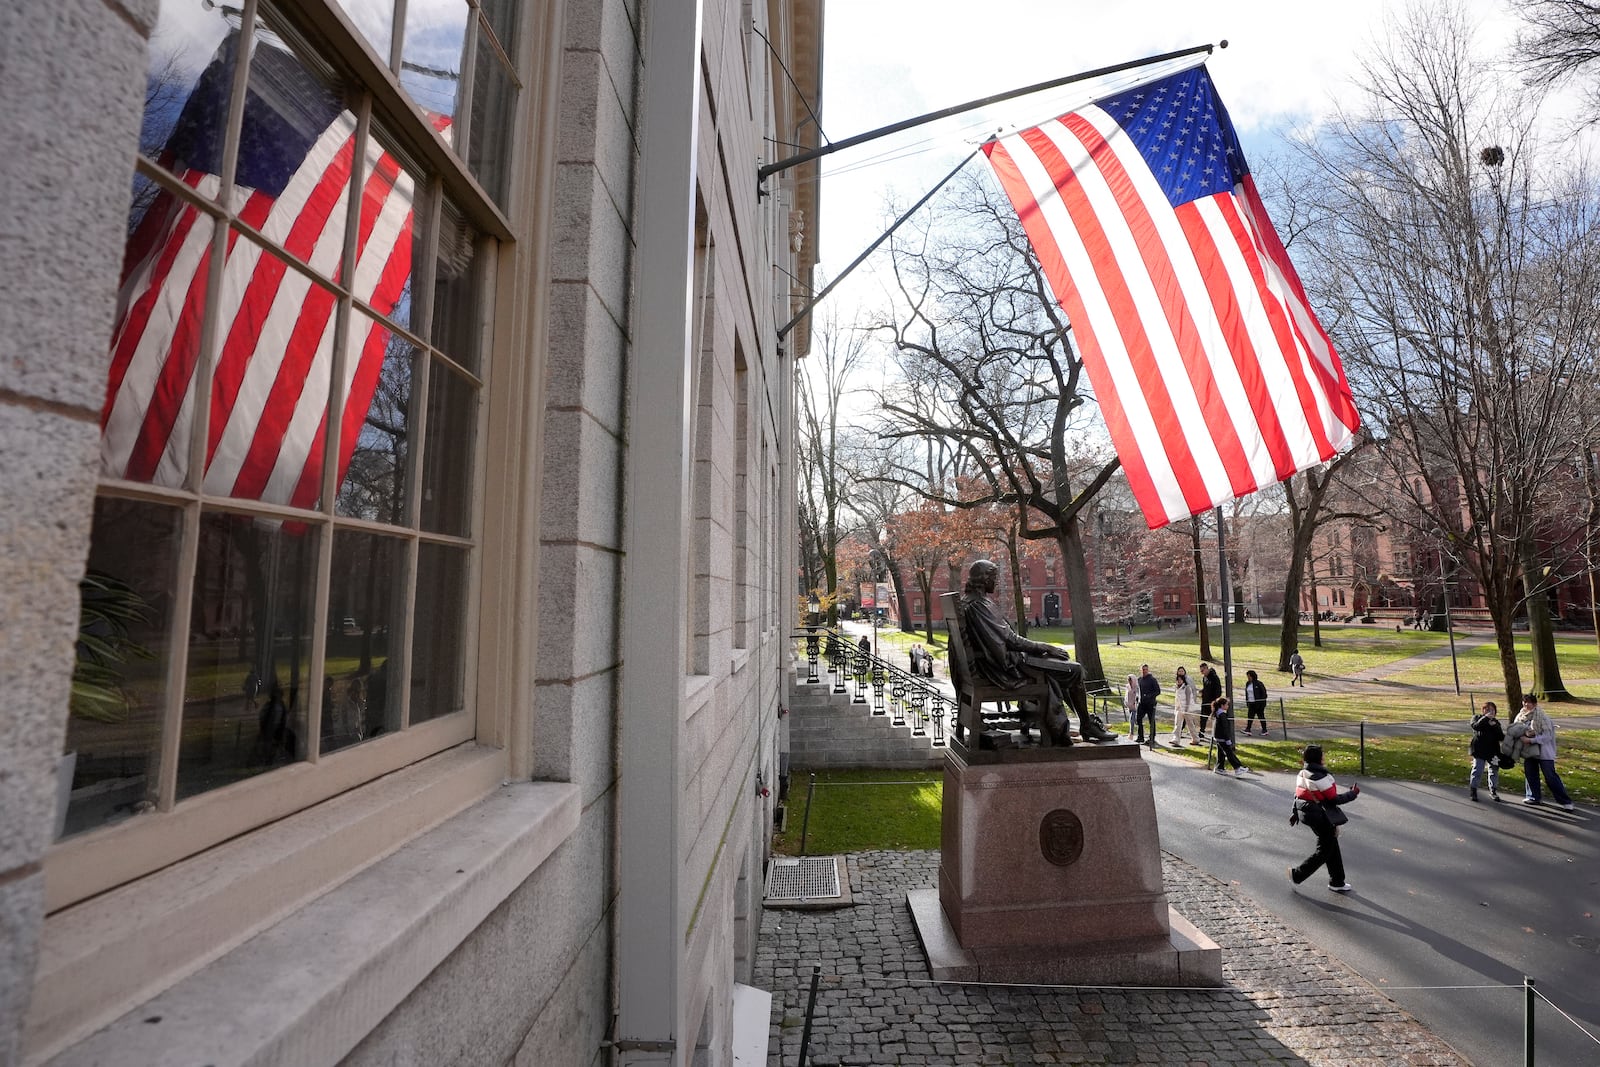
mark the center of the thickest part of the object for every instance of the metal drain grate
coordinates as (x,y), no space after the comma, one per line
(803,878)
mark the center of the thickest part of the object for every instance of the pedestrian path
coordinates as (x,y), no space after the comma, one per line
(1284,1000)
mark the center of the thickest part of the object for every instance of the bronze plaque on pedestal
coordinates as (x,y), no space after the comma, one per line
(1061,837)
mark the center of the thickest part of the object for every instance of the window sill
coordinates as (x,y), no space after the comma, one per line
(305,983)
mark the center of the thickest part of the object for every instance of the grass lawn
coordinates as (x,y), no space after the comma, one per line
(1432,758)
(852,814)
(1425,692)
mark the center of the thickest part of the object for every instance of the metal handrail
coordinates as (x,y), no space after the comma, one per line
(904,697)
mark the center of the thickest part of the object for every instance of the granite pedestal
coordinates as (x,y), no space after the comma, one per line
(1050,872)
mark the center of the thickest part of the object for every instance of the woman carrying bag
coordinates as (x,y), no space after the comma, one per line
(1316,803)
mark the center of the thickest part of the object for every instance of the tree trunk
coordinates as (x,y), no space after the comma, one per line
(1075,567)
(1202,628)
(907,625)
(1316,606)
(1592,543)
(1541,635)
(1014,557)
(1506,643)
(925,583)
(830,573)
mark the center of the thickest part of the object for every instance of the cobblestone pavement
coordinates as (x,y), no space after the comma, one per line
(1283,1002)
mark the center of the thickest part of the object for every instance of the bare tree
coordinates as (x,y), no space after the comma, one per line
(1560,43)
(990,376)
(1461,261)
(825,482)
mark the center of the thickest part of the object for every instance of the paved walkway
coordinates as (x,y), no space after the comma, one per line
(1284,1002)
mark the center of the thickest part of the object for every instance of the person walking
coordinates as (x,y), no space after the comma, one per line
(1539,741)
(1316,803)
(1185,707)
(1149,690)
(1222,735)
(1487,733)
(1255,702)
(1297,664)
(1210,693)
(1130,701)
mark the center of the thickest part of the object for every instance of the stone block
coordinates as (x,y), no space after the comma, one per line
(574,724)
(582,498)
(1040,850)
(588,579)
(588,354)
(592,241)
(63,218)
(47,483)
(596,123)
(21,915)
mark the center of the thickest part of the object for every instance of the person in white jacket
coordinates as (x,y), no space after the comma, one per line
(1539,737)
(1185,709)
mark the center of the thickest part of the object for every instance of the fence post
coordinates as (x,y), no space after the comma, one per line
(1527,1021)
(811,1007)
(805,824)
(1283,720)
(1363,746)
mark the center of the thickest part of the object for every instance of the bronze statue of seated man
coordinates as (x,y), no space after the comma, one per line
(1006,659)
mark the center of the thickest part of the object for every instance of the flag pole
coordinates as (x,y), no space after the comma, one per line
(873,247)
(1222,597)
(766,171)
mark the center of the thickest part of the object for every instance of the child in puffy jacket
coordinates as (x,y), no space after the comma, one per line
(1487,733)
(1316,803)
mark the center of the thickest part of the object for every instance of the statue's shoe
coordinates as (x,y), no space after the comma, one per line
(1094,732)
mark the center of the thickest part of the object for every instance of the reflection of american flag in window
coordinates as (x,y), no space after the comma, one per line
(270,388)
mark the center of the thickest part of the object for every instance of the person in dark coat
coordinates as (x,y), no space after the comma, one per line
(1316,794)
(1222,736)
(1487,733)
(1210,693)
(1007,660)
(1255,702)
(1149,690)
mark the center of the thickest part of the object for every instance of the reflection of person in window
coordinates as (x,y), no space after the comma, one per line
(275,736)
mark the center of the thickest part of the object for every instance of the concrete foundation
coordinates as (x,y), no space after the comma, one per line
(1051,872)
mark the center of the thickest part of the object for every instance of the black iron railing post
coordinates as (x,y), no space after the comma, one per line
(1527,1021)
(811,1007)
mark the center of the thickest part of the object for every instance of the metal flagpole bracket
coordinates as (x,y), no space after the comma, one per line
(779,166)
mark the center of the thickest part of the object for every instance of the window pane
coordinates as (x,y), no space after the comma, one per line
(494,100)
(193,53)
(269,394)
(447,458)
(502,16)
(430,62)
(295,147)
(249,650)
(379,364)
(114,729)
(365,600)
(155,341)
(457,288)
(374,20)
(438,668)
(393,197)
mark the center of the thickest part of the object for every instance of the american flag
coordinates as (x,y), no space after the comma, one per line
(273,369)
(1213,375)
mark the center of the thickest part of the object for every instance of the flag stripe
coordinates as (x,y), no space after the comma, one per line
(1210,368)
(1177,294)
(303,212)
(1052,259)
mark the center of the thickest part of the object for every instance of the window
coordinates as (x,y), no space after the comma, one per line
(285,541)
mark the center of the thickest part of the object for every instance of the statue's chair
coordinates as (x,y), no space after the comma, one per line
(972,692)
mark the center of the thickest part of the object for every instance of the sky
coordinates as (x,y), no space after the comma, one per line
(1286,63)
